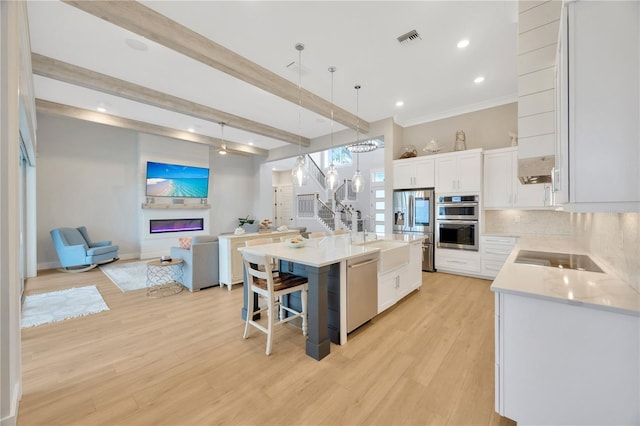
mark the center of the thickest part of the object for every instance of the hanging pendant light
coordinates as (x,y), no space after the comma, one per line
(299,173)
(223,146)
(357,181)
(331,177)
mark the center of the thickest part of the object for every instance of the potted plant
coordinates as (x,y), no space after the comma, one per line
(243,220)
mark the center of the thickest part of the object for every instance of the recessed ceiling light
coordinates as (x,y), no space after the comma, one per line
(399,103)
(101,109)
(191,129)
(478,79)
(250,143)
(136,44)
(463,43)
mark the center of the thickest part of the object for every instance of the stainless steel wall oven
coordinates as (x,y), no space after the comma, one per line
(457,222)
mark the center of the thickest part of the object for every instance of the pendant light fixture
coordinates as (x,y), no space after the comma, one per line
(331,178)
(223,146)
(357,181)
(299,173)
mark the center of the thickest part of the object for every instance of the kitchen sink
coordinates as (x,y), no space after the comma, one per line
(580,262)
(392,254)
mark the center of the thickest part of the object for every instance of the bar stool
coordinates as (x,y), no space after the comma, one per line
(262,280)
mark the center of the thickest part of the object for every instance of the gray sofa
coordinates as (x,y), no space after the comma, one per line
(200,263)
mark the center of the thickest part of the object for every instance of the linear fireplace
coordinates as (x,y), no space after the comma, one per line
(159,226)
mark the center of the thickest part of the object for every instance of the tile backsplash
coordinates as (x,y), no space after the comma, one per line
(612,237)
(521,222)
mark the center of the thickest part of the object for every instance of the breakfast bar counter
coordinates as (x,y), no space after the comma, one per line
(323,261)
(317,258)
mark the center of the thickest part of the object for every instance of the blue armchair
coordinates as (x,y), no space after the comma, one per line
(76,251)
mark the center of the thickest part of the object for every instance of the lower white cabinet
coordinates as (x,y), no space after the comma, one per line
(397,283)
(458,261)
(494,251)
(230,259)
(564,363)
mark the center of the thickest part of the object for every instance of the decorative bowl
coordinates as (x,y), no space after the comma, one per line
(293,243)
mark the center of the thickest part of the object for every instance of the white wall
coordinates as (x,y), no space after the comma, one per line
(87,175)
(93,175)
(231,189)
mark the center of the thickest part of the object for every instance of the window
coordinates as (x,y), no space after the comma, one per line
(340,156)
(377,199)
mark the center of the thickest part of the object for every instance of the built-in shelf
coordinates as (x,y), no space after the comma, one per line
(161,206)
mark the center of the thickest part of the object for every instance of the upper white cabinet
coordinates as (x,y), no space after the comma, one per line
(459,171)
(502,188)
(417,172)
(598,74)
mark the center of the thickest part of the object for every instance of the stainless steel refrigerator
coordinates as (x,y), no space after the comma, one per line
(413,213)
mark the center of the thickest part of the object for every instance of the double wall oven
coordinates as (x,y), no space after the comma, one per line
(457,222)
(413,213)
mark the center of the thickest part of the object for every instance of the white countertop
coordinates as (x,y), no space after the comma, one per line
(597,290)
(324,251)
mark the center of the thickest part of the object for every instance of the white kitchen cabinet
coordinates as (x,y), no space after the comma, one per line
(417,172)
(388,288)
(230,259)
(458,172)
(559,362)
(598,105)
(463,262)
(396,284)
(503,189)
(494,251)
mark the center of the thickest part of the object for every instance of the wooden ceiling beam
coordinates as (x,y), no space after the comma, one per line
(54,108)
(63,71)
(150,24)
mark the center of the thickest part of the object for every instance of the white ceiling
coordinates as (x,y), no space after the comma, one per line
(432,76)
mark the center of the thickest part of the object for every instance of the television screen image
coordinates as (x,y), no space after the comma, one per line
(174,180)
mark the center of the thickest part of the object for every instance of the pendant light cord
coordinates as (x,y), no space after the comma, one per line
(332,70)
(299,48)
(357,87)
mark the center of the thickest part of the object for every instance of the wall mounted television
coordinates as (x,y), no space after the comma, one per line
(178,181)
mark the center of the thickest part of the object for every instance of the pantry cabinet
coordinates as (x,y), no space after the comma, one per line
(503,189)
(458,171)
(598,105)
(417,172)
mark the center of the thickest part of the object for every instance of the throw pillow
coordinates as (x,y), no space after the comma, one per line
(185,242)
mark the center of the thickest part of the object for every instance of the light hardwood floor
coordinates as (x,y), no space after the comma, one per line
(181,360)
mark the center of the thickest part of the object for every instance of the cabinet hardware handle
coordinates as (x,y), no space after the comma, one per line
(357,265)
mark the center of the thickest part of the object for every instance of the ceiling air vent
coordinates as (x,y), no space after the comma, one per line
(410,37)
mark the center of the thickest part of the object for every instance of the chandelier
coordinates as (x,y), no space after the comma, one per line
(362,147)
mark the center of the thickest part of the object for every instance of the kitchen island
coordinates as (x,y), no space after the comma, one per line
(567,341)
(323,261)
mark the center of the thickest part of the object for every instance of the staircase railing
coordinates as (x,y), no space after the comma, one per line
(307,205)
(315,171)
(326,214)
(346,215)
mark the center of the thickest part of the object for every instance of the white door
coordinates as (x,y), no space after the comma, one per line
(283,205)
(377,203)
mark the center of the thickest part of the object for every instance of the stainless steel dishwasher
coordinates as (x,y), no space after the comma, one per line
(362,290)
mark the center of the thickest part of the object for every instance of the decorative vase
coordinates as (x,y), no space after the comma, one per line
(461,141)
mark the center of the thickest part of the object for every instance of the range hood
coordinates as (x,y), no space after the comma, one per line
(536,169)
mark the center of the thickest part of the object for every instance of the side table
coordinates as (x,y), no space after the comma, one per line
(164,278)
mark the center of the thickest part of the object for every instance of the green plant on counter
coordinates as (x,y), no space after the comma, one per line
(243,220)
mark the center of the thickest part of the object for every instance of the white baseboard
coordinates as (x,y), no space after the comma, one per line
(54,265)
(12,418)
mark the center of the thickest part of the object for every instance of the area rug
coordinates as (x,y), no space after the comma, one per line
(128,276)
(60,305)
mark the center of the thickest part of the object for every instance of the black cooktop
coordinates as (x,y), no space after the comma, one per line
(580,262)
